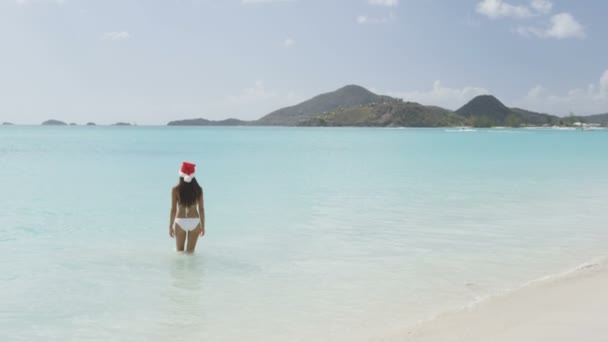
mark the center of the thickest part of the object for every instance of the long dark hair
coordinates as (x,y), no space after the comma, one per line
(188,193)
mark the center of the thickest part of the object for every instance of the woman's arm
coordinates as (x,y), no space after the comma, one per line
(173,211)
(201,213)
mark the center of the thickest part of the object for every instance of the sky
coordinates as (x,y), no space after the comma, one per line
(152,61)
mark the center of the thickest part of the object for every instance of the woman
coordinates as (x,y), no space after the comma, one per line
(186,221)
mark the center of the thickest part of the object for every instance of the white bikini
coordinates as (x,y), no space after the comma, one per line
(187,223)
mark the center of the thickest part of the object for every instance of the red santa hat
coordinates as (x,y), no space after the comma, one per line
(187,171)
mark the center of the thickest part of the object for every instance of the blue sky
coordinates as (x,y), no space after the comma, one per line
(157,60)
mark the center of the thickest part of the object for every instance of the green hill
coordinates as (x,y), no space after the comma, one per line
(346,97)
(354,105)
(487,111)
(601,119)
(393,114)
(534,118)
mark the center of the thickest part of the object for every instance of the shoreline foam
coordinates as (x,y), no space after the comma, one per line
(567,306)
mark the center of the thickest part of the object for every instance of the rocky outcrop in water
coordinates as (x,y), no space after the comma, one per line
(53,122)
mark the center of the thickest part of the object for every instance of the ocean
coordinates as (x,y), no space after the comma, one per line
(313,234)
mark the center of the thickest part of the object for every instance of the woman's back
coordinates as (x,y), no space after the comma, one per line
(184,210)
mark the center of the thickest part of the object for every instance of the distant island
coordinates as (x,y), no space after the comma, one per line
(355,106)
(7,123)
(54,122)
(205,122)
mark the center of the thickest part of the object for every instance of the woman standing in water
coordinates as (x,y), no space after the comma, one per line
(186,222)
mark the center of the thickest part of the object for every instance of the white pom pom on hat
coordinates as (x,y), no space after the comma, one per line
(187,171)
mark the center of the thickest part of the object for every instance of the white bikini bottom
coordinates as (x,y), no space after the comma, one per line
(187,223)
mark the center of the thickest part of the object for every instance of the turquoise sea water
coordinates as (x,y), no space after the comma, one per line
(313,234)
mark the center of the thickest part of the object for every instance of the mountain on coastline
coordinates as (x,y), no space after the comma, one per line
(205,122)
(53,122)
(487,111)
(357,106)
(122,124)
(601,119)
(354,105)
(534,118)
(391,114)
(484,106)
(91,124)
(349,96)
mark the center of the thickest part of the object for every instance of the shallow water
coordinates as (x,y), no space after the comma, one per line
(312,234)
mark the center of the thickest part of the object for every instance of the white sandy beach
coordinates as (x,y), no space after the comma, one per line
(569,307)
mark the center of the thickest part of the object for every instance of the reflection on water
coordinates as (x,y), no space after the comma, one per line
(185,290)
(186,272)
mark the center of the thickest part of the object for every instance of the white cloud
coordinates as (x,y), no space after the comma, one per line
(288,42)
(537,92)
(254,101)
(542,6)
(260,93)
(604,84)
(249,2)
(364,19)
(122,35)
(387,3)
(440,95)
(499,8)
(562,26)
(31,2)
(528,31)
(582,101)
(257,92)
